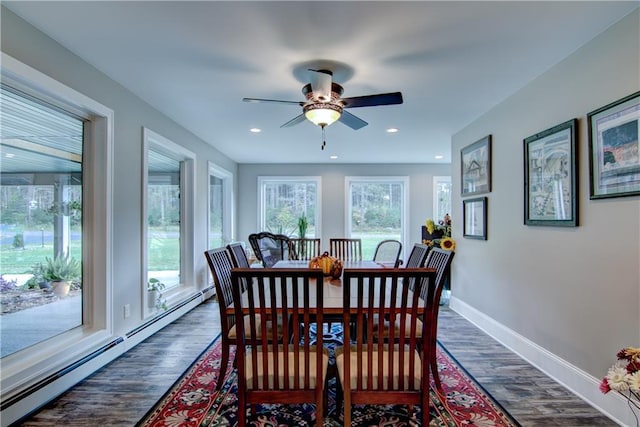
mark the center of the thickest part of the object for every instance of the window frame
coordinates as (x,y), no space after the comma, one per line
(262,180)
(154,141)
(436,200)
(33,363)
(228,223)
(404,180)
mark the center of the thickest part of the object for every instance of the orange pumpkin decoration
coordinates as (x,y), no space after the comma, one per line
(330,266)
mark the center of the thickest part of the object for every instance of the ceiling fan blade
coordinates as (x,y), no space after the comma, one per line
(298,119)
(372,100)
(352,121)
(277,101)
(321,84)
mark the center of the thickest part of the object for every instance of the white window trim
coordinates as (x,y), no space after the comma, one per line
(187,286)
(289,179)
(228,224)
(33,363)
(436,199)
(373,180)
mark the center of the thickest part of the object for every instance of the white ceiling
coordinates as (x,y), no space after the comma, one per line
(195,61)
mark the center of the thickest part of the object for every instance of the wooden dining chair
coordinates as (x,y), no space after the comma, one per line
(346,249)
(392,371)
(238,255)
(270,248)
(287,372)
(220,264)
(438,260)
(388,253)
(306,248)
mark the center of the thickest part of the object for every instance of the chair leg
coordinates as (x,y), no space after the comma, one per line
(425,414)
(224,364)
(347,409)
(436,374)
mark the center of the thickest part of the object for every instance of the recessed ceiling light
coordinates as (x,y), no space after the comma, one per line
(255,130)
(333,157)
(392,130)
(9,155)
(439,157)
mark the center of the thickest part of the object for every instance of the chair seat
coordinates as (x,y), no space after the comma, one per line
(247,326)
(417,368)
(398,327)
(292,357)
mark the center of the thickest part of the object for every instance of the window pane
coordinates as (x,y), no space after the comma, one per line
(163,216)
(376,213)
(40,221)
(216,213)
(285,203)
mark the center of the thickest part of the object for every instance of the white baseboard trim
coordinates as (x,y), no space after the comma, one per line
(582,384)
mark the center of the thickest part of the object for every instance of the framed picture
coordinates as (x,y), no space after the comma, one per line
(475,218)
(476,167)
(550,177)
(614,150)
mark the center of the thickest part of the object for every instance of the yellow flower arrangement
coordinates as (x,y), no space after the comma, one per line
(443,226)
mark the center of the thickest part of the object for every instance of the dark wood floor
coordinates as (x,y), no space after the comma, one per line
(122,392)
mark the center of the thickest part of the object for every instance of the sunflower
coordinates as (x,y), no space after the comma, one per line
(448,244)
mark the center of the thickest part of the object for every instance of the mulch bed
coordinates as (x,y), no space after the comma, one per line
(13,300)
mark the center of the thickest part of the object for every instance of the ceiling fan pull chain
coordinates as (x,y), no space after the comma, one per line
(324,142)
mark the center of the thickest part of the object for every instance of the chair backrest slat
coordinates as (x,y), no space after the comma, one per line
(238,255)
(417,256)
(346,249)
(306,248)
(220,265)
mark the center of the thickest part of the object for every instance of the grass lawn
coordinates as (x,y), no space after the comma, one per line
(20,261)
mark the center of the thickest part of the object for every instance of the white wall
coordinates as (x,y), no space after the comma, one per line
(333,193)
(570,293)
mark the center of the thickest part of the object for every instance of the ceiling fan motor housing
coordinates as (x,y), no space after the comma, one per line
(336,93)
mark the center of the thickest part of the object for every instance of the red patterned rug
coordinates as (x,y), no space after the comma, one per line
(193,401)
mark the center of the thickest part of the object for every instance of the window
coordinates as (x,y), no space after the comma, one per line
(441,197)
(55,195)
(220,206)
(283,200)
(41,219)
(168,209)
(377,210)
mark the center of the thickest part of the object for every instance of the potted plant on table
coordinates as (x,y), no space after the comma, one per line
(60,272)
(303,224)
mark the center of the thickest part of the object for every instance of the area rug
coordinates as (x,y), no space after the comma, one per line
(193,401)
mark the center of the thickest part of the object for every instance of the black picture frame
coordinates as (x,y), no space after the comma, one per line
(475,167)
(551,177)
(474,225)
(614,157)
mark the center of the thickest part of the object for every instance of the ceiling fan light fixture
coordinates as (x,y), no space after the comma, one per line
(322,114)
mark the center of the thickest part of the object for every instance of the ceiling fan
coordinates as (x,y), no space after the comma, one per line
(324,105)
